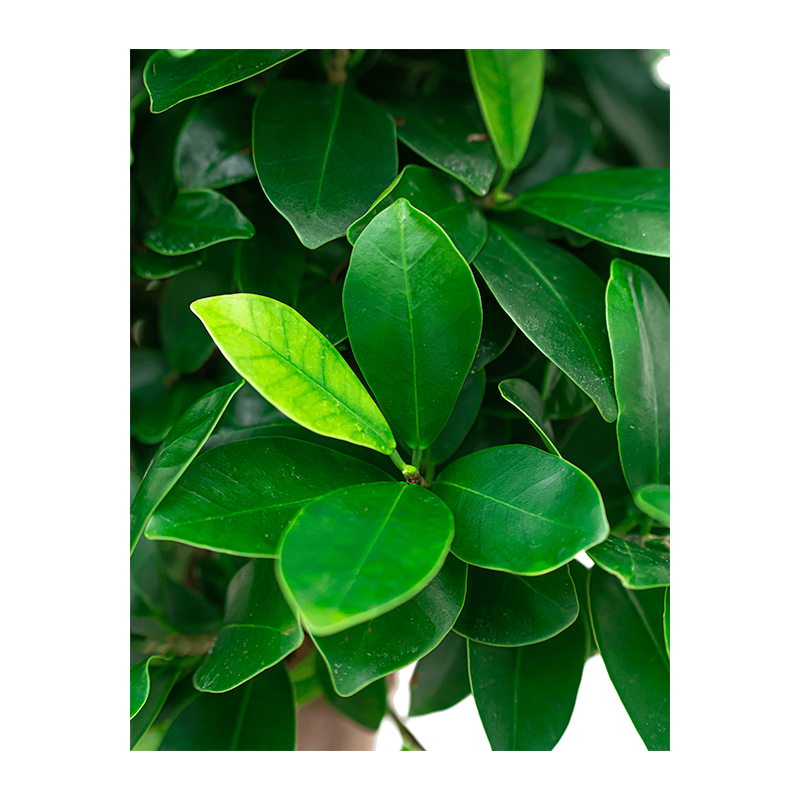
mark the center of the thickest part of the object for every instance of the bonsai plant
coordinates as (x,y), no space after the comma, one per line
(399,356)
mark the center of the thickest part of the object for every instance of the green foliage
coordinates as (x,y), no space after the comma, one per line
(455,387)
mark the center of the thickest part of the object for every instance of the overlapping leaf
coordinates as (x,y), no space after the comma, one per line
(523,396)
(637,566)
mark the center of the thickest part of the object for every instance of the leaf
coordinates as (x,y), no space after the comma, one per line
(563,398)
(259,715)
(521,510)
(171,80)
(442,199)
(666,620)
(465,412)
(525,695)
(441,678)
(366,708)
(636,566)
(161,682)
(523,396)
(259,629)
(513,610)
(320,302)
(360,655)
(323,153)
(238,498)
(149,372)
(361,551)
(197,219)
(140,682)
(580,577)
(497,331)
(557,302)
(508,85)
(416,348)
(638,325)
(154,267)
(176,453)
(628,627)
(653,499)
(155,422)
(627,207)
(294,367)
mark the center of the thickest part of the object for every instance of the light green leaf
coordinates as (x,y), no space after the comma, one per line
(627,207)
(653,499)
(416,347)
(323,153)
(638,325)
(362,551)
(523,396)
(557,302)
(294,367)
(508,85)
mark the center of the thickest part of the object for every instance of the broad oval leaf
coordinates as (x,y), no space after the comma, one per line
(653,499)
(627,207)
(259,629)
(628,627)
(360,655)
(508,85)
(361,551)
(523,396)
(366,707)
(295,367)
(416,347)
(521,510)
(557,302)
(323,153)
(638,325)
(441,678)
(638,567)
(170,79)
(176,453)
(465,412)
(195,220)
(238,498)
(514,610)
(140,682)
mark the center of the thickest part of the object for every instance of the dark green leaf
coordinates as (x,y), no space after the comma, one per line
(150,372)
(497,331)
(140,681)
(170,80)
(524,397)
(361,551)
(238,498)
(557,302)
(638,567)
(580,577)
(461,420)
(176,453)
(441,679)
(320,302)
(323,154)
(653,499)
(666,620)
(154,266)
(521,510)
(416,348)
(563,398)
(366,708)
(157,420)
(638,324)
(295,367)
(162,680)
(627,207)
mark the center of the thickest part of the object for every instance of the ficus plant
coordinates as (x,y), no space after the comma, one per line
(399,372)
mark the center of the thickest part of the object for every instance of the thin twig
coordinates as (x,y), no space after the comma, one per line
(409,740)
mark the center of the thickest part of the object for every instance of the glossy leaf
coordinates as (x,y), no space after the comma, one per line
(154,267)
(557,302)
(508,85)
(360,655)
(627,207)
(461,420)
(638,567)
(239,497)
(162,680)
(653,499)
(157,420)
(366,708)
(197,219)
(294,367)
(521,510)
(416,348)
(628,627)
(258,630)
(638,324)
(580,577)
(320,302)
(525,695)
(513,610)
(176,453)
(140,682)
(150,373)
(666,620)
(323,153)
(497,331)
(441,679)
(563,398)
(170,80)
(259,715)
(362,551)
(523,396)
(443,200)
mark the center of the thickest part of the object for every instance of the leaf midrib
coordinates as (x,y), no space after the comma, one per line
(652,205)
(334,121)
(404,258)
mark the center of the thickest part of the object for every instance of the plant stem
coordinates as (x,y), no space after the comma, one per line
(409,740)
(399,463)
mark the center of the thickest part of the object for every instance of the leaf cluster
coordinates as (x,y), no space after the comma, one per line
(399,355)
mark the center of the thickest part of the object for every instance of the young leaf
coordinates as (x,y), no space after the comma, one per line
(557,302)
(238,498)
(508,85)
(461,420)
(638,325)
(523,396)
(628,627)
(653,499)
(140,682)
(259,629)
(176,453)
(294,367)
(323,153)
(627,207)
(416,348)
(441,678)
(361,551)
(171,80)
(636,566)
(521,510)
